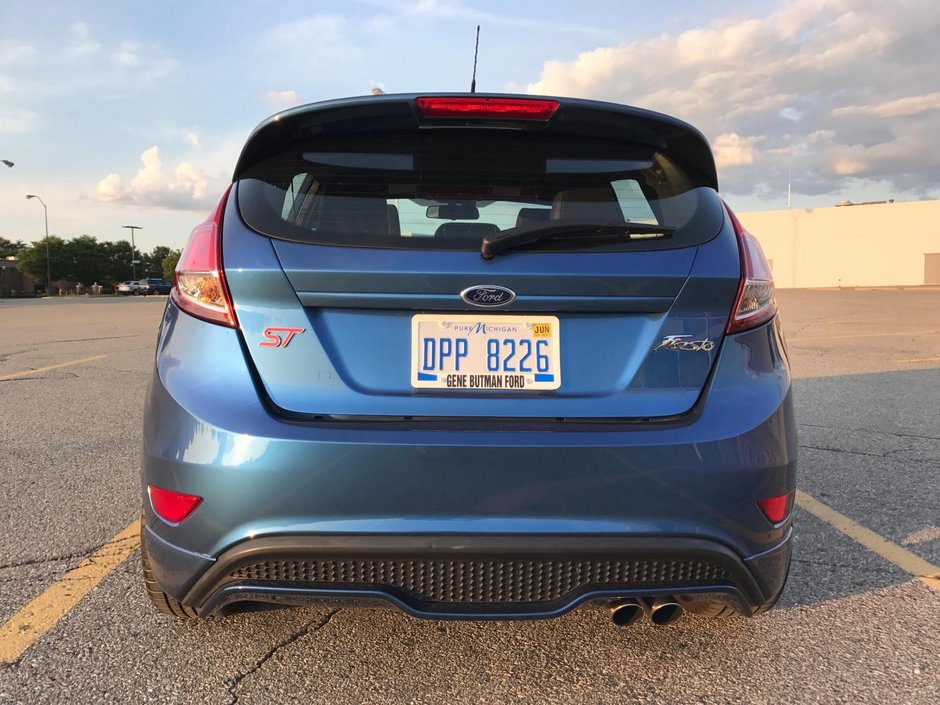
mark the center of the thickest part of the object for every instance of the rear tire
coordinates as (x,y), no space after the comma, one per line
(719,610)
(707,609)
(163,602)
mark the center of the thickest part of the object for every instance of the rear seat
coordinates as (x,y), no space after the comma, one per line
(593,205)
(355,215)
(532,216)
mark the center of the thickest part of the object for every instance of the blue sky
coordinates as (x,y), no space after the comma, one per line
(133,113)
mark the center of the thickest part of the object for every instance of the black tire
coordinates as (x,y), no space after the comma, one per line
(719,610)
(706,609)
(163,602)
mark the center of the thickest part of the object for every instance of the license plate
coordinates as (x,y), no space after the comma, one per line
(489,353)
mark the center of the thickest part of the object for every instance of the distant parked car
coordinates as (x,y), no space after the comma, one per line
(154,286)
(127,288)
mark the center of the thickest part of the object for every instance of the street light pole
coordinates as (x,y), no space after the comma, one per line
(45,213)
(132,228)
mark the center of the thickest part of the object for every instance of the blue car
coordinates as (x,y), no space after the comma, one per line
(470,357)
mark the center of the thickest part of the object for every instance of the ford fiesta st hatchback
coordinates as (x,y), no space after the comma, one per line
(470,356)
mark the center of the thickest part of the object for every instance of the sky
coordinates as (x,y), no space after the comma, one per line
(130,113)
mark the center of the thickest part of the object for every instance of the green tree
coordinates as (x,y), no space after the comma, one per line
(117,256)
(152,262)
(169,264)
(33,259)
(83,259)
(9,248)
(86,261)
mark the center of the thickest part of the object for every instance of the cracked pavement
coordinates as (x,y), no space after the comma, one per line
(851,627)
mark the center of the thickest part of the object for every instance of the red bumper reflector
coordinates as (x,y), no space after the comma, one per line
(498,108)
(172,506)
(778,508)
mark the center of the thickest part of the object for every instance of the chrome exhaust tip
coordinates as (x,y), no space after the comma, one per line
(625,613)
(662,610)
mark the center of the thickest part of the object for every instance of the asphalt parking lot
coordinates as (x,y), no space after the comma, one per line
(858,623)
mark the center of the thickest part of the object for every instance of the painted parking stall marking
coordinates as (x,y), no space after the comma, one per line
(44,612)
(926,572)
(49,368)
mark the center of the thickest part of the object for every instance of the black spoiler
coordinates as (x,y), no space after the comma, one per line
(680,141)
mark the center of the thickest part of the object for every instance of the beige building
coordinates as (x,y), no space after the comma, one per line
(879,244)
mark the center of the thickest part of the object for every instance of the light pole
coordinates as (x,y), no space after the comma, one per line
(132,228)
(45,213)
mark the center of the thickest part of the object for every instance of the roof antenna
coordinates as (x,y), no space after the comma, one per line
(476,51)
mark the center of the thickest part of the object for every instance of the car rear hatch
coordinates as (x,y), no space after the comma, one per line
(352,249)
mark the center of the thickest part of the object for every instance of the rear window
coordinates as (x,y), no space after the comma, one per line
(449,188)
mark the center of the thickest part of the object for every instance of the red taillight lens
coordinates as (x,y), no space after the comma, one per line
(200,287)
(756,302)
(172,506)
(778,508)
(470,107)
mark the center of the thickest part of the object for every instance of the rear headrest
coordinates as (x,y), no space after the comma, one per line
(532,216)
(352,214)
(394,223)
(598,204)
(467,230)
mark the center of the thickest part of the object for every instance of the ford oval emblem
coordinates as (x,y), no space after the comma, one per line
(488,295)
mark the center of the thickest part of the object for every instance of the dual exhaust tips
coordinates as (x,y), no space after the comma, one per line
(660,610)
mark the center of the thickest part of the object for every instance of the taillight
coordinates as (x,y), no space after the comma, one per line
(474,107)
(200,288)
(778,508)
(756,302)
(172,506)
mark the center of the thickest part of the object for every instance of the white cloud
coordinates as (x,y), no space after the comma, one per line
(185,187)
(316,51)
(312,39)
(75,63)
(848,77)
(901,107)
(193,139)
(459,11)
(15,57)
(848,167)
(13,53)
(731,149)
(127,54)
(281,100)
(83,44)
(17,122)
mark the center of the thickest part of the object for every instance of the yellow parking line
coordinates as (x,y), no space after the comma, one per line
(926,572)
(923,359)
(26,373)
(44,611)
(928,533)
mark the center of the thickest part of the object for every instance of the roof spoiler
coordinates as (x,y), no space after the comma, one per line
(684,144)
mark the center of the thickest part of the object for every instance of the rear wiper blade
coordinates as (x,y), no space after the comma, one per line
(526,235)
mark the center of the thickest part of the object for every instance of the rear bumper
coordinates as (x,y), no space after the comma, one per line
(640,493)
(479,576)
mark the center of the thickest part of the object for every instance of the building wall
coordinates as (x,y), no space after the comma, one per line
(863,245)
(12,280)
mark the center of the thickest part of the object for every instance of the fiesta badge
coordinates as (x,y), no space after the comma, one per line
(488,295)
